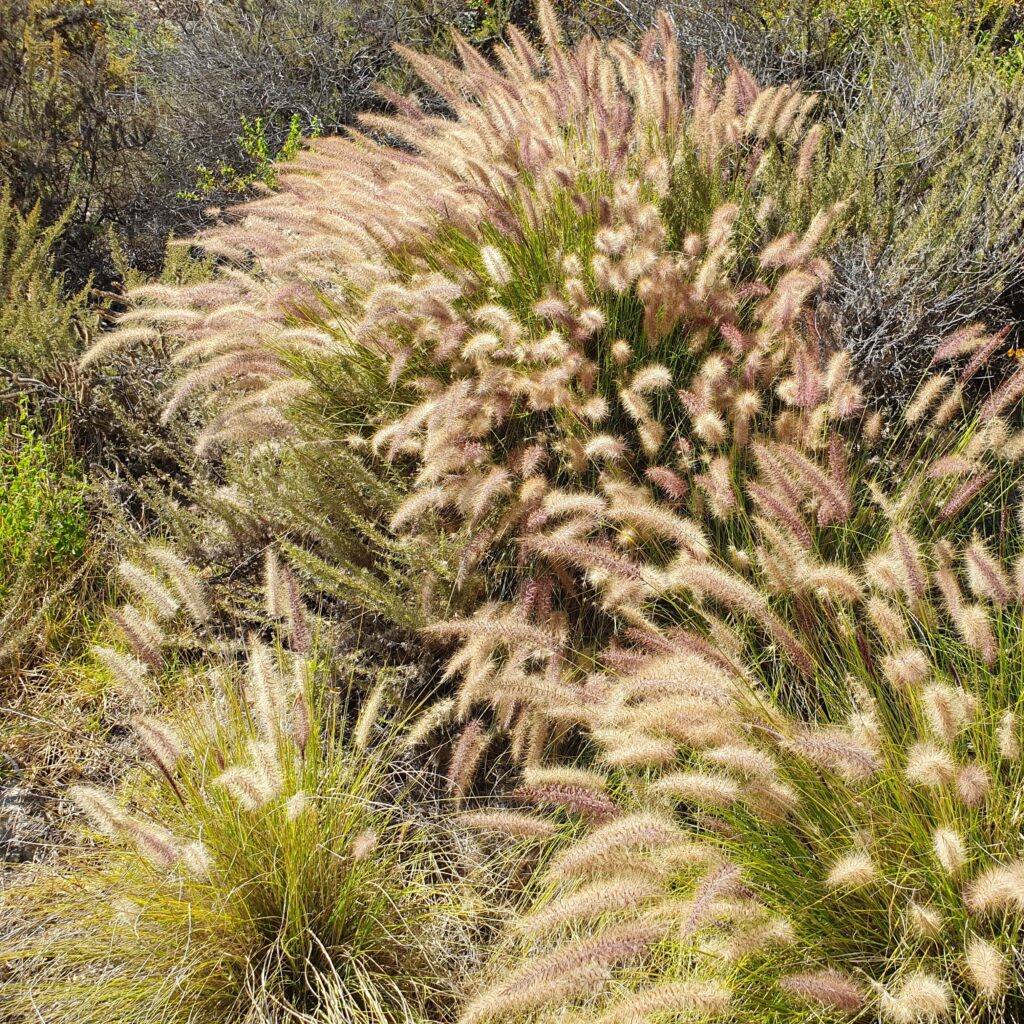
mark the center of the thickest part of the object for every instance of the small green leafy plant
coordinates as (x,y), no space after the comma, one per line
(259,158)
(42,500)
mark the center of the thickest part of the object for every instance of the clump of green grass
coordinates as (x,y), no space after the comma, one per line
(265,863)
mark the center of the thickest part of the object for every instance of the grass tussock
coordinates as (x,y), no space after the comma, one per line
(259,861)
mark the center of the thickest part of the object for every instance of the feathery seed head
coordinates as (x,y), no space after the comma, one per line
(950,850)
(987,968)
(918,997)
(852,871)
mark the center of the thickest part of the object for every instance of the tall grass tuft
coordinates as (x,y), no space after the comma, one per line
(259,865)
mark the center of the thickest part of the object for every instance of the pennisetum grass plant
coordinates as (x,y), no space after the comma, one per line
(263,865)
(760,644)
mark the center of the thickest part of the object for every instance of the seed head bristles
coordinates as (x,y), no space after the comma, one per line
(783,512)
(833,585)
(807,153)
(752,935)
(854,870)
(973,783)
(686,675)
(183,580)
(467,753)
(833,498)
(143,635)
(735,593)
(160,741)
(884,572)
(983,354)
(949,850)
(592,806)
(578,504)
(575,968)
(154,843)
(634,461)
(720,880)
(595,557)
(265,759)
(906,668)
(925,920)
(149,590)
(948,710)
(998,888)
(688,721)
(1013,449)
(930,766)
(196,860)
(128,672)
(111,341)
(266,690)
(829,988)
(628,837)
(920,996)
(964,495)
(975,626)
(985,576)
(947,583)
(297,805)
(624,749)
(930,389)
(100,808)
(636,407)
(702,998)
(744,760)
(838,751)
(644,515)
(565,775)
(301,723)
(369,716)
(987,967)
(952,404)
(960,342)
(952,465)
(245,786)
(605,448)
(699,787)
(518,824)
(1005,396)
(607,896)
(718,488)
(1007,738)
(651,379)
(438,715)
(504,627)
(363,844)
(495,266)
(908,554)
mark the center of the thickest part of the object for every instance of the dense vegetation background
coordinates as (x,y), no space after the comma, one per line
(128,127)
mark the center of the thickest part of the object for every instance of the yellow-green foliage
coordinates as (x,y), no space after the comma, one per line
(43,537)
(42,513)
(41,325)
